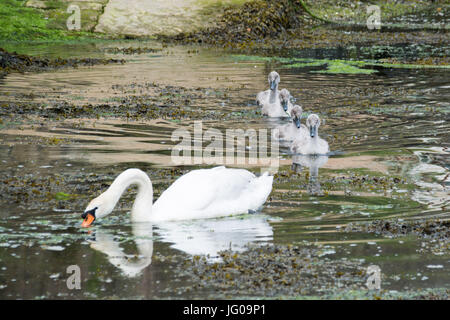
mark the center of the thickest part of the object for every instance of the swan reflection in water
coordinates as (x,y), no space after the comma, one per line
(313,162)
(196,237)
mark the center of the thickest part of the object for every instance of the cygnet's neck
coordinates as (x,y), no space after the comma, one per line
(273,94)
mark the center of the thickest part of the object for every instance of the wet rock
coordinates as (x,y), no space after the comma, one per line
(251,21)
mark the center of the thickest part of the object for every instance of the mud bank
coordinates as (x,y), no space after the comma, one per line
(13,62)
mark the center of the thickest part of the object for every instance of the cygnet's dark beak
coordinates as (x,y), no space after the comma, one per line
(312,131)
(273,85)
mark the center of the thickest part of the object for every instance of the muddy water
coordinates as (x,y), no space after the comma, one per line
(388,133)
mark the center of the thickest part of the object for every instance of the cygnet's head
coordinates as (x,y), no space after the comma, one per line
(274,79)
(285,97)
(313,123)
(296,115)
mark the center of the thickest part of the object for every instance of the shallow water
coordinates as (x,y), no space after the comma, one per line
(393,123)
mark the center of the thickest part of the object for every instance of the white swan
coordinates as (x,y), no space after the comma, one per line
(203,193)
(270,99)
(294,129)
(311,144)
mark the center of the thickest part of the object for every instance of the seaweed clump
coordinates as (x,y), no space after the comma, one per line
(396,228)
(253,20)
(435,233)
(14,62)
(273,271)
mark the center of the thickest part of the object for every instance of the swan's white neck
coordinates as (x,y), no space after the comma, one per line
(142,207)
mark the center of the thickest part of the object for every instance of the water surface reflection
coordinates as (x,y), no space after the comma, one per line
(196,238)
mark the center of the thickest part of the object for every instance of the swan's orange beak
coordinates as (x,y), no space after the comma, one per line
(88,220)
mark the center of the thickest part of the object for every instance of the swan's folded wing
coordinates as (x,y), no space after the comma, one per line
(198,190)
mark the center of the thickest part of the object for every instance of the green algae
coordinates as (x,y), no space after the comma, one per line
(340,67)
(62,196)
(19,23)
(333,66)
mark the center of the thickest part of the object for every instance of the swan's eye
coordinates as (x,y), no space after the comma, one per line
(92,212)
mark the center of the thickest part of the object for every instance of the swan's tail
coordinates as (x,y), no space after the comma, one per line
(261,188)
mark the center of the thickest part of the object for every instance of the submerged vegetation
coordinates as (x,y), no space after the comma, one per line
(273,271)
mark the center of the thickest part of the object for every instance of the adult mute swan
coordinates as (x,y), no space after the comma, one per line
(294,129)
(311,144)
(203,193)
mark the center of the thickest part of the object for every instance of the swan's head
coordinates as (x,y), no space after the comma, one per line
(296,114)
(285,96)
(313,123)
(98,208)
(274,79)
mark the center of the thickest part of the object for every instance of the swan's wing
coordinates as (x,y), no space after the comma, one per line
(284,132)
(275,110)
(199,189)
(301,140)
(324,148)
(302,136)
(304,133)
(265,110)
(261,97)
